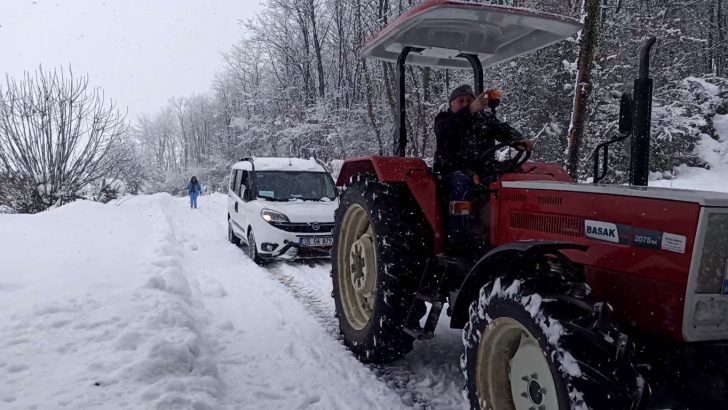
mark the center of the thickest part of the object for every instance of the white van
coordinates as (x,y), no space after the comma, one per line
(282,208)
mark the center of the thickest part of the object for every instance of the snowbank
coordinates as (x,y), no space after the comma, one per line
(712,150)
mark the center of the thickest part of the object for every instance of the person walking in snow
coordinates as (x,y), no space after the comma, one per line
(193,190)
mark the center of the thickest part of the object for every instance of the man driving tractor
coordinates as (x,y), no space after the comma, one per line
(465,134)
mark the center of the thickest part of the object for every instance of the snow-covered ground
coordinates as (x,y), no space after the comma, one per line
(715,179)
(714,152)
(142,303)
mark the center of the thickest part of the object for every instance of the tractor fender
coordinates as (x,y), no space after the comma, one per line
(387,169)
(412,171)
(513,258)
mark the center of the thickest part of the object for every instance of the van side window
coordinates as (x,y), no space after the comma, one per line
(233,175)
(238,176)
(243,183)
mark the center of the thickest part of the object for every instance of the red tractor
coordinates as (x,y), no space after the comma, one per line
(573,295)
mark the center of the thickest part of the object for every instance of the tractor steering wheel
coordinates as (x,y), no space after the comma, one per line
(495,166)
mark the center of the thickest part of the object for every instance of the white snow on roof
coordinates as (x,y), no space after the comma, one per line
(281,164)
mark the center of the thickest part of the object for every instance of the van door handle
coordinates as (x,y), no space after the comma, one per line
(236,206)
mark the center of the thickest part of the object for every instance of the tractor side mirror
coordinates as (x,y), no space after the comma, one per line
(625,114)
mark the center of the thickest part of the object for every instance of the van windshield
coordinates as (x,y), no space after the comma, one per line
(292,185)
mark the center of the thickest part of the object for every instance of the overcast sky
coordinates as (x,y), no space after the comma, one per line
(141,52)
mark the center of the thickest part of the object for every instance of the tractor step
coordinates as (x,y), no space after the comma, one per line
(430,290)
(427,332)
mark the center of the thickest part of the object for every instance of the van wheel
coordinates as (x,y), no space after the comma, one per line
(231,235)
(253,249)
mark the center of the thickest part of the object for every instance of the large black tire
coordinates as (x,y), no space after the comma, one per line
(399,242)
(231,235)
(253,250)
(583,365)
(701,381)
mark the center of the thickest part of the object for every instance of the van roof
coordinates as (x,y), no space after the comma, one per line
(279,164)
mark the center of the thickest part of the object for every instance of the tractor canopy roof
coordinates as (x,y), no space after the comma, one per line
(446,29)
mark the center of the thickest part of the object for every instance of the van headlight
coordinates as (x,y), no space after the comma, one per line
(272,216)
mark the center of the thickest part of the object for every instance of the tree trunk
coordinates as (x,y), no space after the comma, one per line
(710,66)
(388,87)
(317,49)
(306,63)
(721,50)
(426,85)
(582,89)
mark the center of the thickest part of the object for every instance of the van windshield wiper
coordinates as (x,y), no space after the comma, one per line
(270,198)
(319,198)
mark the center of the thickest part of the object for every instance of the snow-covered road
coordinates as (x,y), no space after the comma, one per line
(142,303)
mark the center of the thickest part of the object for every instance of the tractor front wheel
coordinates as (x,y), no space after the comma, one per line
(379,253)
(528,349)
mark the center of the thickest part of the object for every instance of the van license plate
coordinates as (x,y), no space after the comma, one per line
(317,241)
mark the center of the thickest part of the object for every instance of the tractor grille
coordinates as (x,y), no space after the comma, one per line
(559,225)
(304,227)
(515,197)
(550,200)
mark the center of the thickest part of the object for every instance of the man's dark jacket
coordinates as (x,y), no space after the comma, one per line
(462,138)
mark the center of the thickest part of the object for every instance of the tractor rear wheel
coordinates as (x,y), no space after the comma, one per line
(541,350)
(381,244)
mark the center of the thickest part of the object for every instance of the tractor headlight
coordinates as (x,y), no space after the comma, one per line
(706,308)
(272,216)
(711,313)
(713,271)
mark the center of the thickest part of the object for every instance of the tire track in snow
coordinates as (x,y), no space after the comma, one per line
(398,379)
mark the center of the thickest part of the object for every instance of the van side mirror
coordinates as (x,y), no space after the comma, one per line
(625,114)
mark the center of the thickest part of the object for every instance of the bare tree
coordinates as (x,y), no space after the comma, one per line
(56,133)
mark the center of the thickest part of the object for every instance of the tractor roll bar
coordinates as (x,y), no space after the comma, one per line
(477,71)
(400,145)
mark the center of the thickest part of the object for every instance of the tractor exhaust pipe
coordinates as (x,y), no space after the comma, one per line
(640,149)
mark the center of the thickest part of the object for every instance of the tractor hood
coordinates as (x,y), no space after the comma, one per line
(703,198)
(446,29)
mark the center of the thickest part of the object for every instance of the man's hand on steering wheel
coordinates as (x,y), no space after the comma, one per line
(498,167)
